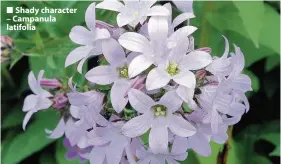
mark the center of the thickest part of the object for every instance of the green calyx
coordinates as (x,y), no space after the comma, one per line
(123,72)
(159,110)
(172,69)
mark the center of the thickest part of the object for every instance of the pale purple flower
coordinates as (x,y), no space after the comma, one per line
(60,101)
(90,41)
(116,73)
(178,153)
(50,83)
(133,12)
(37,101)
(75,152)
(236,80)
(60,129)
(221,67)
(158,117)
(184,5)
(177,68)
(109,144)
(157,49)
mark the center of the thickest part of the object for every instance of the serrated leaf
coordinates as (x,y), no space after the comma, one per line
(33,139)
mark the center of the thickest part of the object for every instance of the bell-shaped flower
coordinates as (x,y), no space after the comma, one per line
(116,73)
(158,117)
(157,49)
(37,101)
(74,152)
(236,80)
(221,67)
(178,68)
(133,12)
(90,40)
(109,143)
(177,153)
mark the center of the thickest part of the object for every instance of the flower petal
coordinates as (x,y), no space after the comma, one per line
(90,16)
(200,144)
(158,138)
(27,118)
(185,78)
(33,83)
(81,35)
(140,101)
(117,95)
(181,33)
(59,130)
(97,155)
(43,103)
(181,18)
(115,150)
(196,60)
(113,5)
(171,100)
(74,111)
(101,34)
(187,95)
(185,6)
(134,42)
(113,52)
(124,19)
(102,75)
(158,28)
(139,64)
(157,78)
(158,11)
(30,102)
(138,125)
(181,127)
(77,54)
(80,65)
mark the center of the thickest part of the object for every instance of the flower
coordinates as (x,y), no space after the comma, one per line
(60,101)
(109,144)
(89,40)
(184,5)
(158,117)
(178,153)
(50,83)
(178,68)
(116,73)
(133,12)
(221,67)
(37,101)
(157,50)
(74,151)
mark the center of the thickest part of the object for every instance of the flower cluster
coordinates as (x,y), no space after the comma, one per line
(161,87)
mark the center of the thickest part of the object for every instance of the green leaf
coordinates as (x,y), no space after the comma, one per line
(13,118)
(251,13)
(272,62)
(47,158)
(33,139)
(242,147)
(276,151)
(60,154)
(191,158)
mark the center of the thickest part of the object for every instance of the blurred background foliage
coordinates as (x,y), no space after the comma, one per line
(254,26)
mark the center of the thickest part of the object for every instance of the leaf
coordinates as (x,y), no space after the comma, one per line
(242,147)
(251,13)
(46,158)
(271,63)
(13,118)
(191,158)
(60,154)
(276,151)
(33,139)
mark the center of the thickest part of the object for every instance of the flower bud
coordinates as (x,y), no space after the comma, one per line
(50,83)
(60,101)
(7,46)
(205,49)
